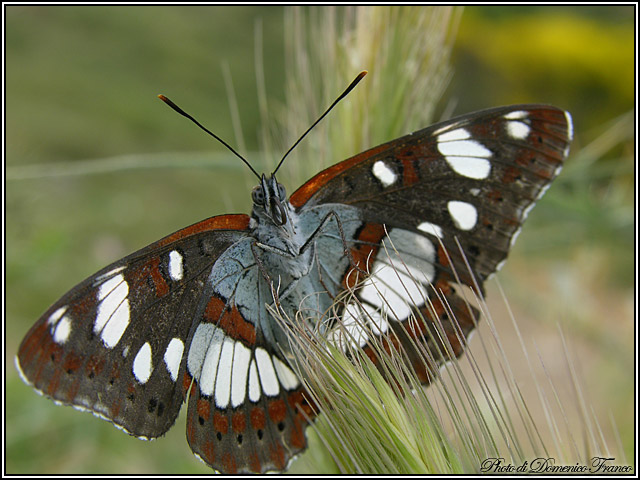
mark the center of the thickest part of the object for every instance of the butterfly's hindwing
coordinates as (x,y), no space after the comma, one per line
(247,408)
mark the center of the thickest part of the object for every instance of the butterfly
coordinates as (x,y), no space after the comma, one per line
(186,319)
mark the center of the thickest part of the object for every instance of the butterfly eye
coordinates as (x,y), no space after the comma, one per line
(257,195)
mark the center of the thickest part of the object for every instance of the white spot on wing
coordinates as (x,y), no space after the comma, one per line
(391,289)
(454,135)
(359,321)
(142,364)
(223,375)
(465,156)
(528,208)
(445,128)
(288,379)
(175,265)
(173,357)
(567,116)
(254,382)
(476,168)
(518,130)
(113,314)
(413,249)
(63,329)
(518,124)
(198,348)
(209,366)
(110,273)
(241,357)
(463,214)
(113,331)
(21,374)
(383,173)
(352,330)
(431,228)
(499,266)
(516,115)
(515,236)
(397,280)
(268,379)
(378,324)
(55,316)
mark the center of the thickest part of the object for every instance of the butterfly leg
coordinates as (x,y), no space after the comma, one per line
(263,270)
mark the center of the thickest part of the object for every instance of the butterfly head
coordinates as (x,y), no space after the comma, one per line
(269,200)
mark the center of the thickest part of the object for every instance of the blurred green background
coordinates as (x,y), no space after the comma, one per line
(98,167)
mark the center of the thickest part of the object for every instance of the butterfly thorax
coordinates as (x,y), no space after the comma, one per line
(275,228)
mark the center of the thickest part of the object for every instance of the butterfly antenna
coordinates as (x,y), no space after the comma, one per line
(344,94)
(185,114)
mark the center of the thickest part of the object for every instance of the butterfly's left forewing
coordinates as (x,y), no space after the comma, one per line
(115,344)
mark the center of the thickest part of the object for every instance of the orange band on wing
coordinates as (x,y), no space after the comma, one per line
(221,222)
(306,191)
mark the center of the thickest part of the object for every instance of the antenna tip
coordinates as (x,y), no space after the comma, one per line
(172,105)
(362,73)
